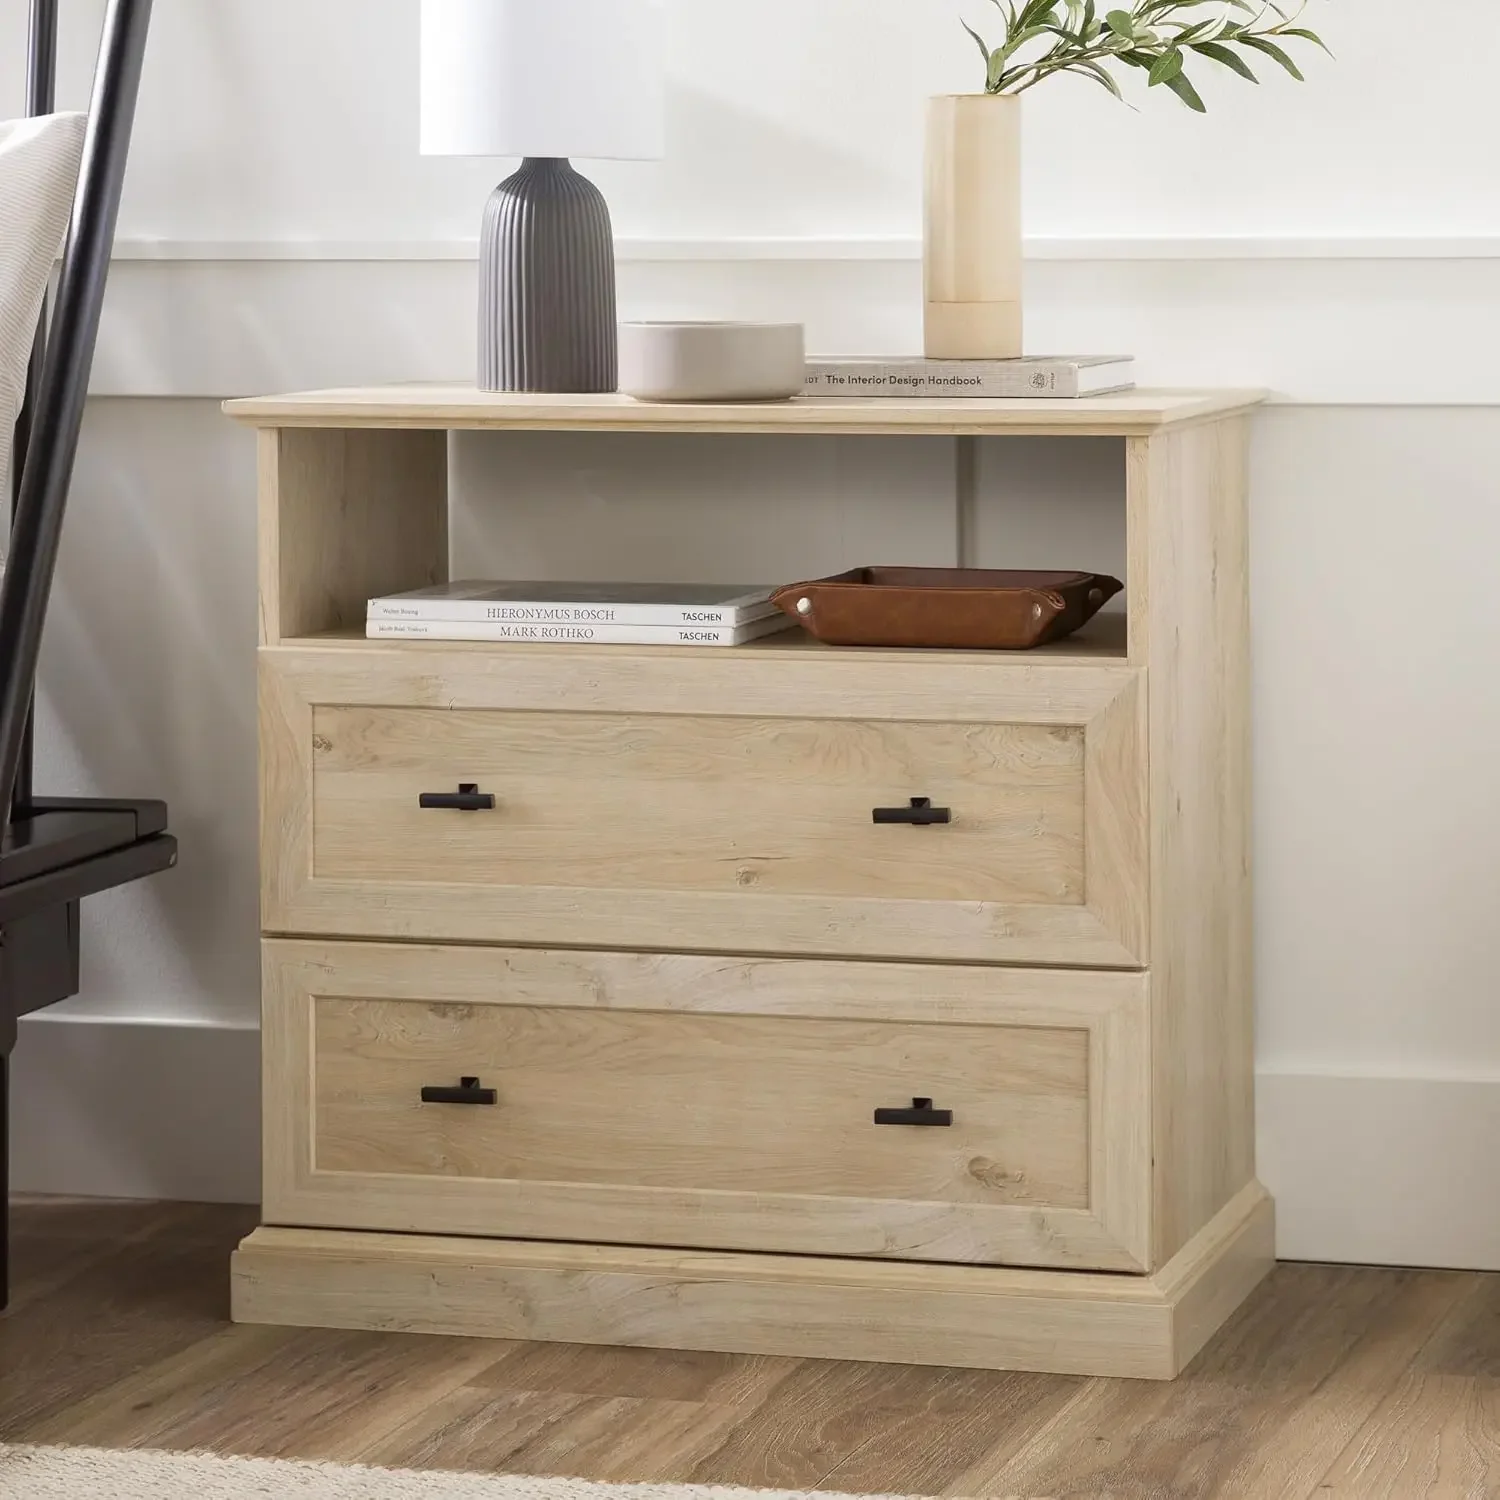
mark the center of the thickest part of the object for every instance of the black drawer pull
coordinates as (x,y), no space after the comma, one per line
(921,812)
(467,1092)
(468,798)
(920,1113)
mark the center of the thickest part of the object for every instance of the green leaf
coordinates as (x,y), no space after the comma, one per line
(1306,35)
(1272,50)
(1187,93)
(1122,23)
(1091,69)
(1228,56)
(1166,68)
(1034,12)
(1015,44)
(979,42)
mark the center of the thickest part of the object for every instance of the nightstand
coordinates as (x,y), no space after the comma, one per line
(666,1041)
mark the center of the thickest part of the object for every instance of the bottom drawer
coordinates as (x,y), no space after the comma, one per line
(712,1103)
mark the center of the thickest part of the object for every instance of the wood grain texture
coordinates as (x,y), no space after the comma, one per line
(979,1317)
(1266,1412)
(1187,499)
(302,1395)
(937,1432)
(826,1418)
(658,803)
(909,687)
(1115,822)
(683,805)
(1437,1432)
(623,1415)
(329,1278)
(103,1316)
(721,1103)
(443,408)
(972,261)
(343,516)
(661,826)
(934,994)
(729,1104)
(620,1438)
(50,1249)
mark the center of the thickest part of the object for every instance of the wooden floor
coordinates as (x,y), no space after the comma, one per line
(1332,1382)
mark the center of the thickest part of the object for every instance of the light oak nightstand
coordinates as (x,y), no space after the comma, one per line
(673,1044)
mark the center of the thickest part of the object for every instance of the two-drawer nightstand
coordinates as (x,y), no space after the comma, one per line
(665,1040)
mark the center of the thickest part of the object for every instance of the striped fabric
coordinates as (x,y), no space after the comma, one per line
(39,162)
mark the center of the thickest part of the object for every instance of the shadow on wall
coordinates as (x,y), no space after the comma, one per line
(125,1109)
(148,689)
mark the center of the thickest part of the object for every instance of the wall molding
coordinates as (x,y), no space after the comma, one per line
(1382,1169)
(166,1109)
(813,248)
(104,1108)
(1318,323)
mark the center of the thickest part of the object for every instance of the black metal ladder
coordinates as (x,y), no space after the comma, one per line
(55,850)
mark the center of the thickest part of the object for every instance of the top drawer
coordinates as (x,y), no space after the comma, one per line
(671,810)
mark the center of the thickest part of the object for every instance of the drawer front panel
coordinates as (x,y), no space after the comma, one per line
(757,806)
(711,1103)
(690,823)
(751,1104)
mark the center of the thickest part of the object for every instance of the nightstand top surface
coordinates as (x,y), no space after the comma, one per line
(1130,413)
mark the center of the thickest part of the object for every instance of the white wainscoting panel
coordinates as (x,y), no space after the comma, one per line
(1332,322)
(1385,1171)
(136,1109)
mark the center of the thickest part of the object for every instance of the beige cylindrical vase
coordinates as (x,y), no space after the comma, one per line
(973,240)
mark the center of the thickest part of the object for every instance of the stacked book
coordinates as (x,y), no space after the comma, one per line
(1059,377)
(584,614)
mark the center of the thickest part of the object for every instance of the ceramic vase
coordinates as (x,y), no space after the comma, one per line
(547,284)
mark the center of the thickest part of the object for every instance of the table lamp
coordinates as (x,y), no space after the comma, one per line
(544,80)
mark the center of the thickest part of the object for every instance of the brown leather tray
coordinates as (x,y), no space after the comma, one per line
(991,609)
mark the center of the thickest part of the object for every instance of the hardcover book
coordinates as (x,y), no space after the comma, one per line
(1059,377)
(563,634)
(663,605)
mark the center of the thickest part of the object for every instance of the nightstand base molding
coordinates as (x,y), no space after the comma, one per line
(980,1317)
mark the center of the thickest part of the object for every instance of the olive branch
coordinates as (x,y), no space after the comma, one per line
(1043,37)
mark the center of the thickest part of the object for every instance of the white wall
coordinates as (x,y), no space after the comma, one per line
(1338,243)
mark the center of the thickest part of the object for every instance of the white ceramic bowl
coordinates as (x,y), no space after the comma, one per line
(712,361)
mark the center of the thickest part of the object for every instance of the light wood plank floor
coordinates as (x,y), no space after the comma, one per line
(1333,1382)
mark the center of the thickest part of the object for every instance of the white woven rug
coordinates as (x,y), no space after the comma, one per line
(94,1474)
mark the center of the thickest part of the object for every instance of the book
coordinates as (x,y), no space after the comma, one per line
(1063,378)
(577,635)
(478,601)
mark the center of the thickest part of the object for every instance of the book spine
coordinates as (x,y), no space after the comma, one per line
(479,612)
(831,378)
(563,635)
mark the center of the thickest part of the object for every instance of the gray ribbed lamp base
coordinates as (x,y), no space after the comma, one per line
(547,317)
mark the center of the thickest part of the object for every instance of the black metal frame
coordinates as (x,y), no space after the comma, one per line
(56,850)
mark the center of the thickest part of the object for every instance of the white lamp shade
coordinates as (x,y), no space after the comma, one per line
(542,78)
